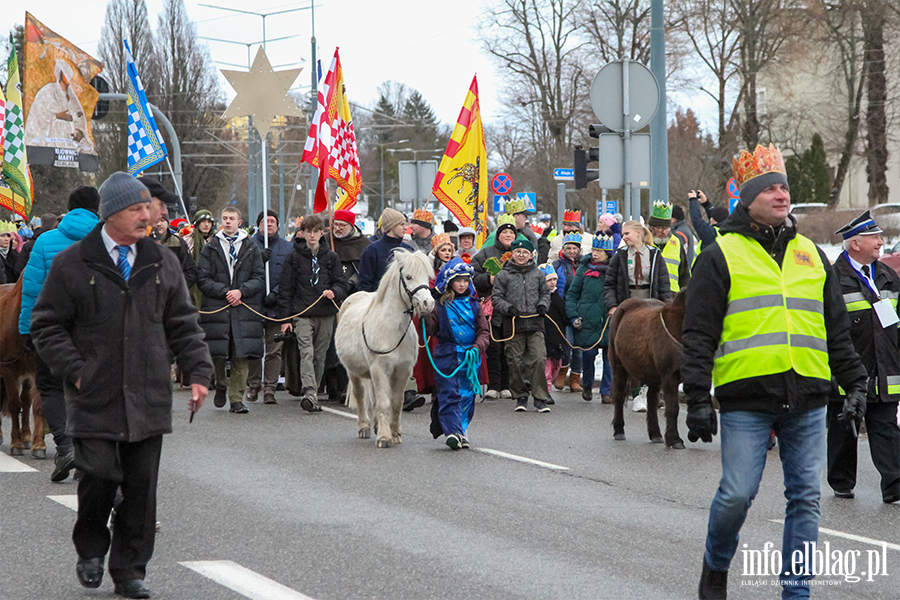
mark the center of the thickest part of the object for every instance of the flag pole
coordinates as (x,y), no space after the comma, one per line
(265,206)
(331,217)
(177,188)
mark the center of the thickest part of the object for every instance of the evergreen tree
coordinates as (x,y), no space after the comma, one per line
(817,167)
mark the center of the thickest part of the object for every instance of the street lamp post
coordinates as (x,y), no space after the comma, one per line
(382,168)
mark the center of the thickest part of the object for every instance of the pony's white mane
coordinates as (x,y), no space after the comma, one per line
(415,264)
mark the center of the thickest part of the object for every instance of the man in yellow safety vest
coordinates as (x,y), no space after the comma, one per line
(765,324)
(673,251)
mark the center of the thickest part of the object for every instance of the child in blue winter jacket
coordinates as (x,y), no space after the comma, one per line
(458,325)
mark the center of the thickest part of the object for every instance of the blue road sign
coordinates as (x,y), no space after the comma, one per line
(564,174)
(612,207)
(530,199)
(502,183)
(733,191)
(732,202)
(499,203)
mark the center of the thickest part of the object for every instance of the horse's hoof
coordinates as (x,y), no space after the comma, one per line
(39,453)
(679,445)
(16,452)
(383,444)
(396,439)
(657,439)
(619,436)
(365,434)
(26,445)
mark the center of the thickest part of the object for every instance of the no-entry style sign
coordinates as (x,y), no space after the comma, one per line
(502,184)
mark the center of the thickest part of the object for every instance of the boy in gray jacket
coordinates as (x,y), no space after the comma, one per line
(521,298)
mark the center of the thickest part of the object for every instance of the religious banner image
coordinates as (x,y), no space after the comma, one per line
(59,99)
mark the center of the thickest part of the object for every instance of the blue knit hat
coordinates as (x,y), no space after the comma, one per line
(454,268)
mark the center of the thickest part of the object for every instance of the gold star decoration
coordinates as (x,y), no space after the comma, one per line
(262,93)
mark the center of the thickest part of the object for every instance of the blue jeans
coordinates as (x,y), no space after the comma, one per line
(588,357)
(573,354)
(745,438)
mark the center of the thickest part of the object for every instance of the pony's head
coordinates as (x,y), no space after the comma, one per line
(408,273)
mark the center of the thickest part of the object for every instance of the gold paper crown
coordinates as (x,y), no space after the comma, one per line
(572,216)
(7,227)
(506,219)
(762,161)
(439,240)
(423,215)
(515,206)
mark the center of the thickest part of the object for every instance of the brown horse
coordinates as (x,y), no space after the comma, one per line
(645,345)
(17,372)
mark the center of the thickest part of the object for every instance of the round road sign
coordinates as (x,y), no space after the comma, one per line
(502,184)
(733,190)
(607,101)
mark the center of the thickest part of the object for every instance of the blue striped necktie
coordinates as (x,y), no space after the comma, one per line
(122,263)
(231,251)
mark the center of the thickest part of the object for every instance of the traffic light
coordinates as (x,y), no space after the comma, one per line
(584,157)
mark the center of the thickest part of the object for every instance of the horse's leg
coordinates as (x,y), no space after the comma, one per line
(14,408)
(26,402)
(653,414)
(381,384)
(38,448)
(670,393)
(619,388)
(356,392)
(398,383)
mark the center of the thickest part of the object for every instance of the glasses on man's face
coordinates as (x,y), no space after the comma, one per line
(521,252)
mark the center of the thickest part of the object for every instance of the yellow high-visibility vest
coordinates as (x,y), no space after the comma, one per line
(671,254)
(775,320)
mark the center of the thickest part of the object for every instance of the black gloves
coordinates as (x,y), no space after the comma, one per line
(512,311)
(701,421)
(271,300)
(541,310)
(854,407)
(29,345)
(266,254)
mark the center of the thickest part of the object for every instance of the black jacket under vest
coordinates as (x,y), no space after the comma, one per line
(878,347)
(707,304)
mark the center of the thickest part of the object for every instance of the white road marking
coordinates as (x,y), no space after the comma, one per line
(8,464)
(342,413)
(522,459)
(850,536)
(242,580)
(69,501)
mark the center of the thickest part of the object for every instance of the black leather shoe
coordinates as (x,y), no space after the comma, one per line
(239,408)
(133,588)
(411,400)
(221,398)
(713,584)
(65,462)
(89,571)
(890,499)
(848,494)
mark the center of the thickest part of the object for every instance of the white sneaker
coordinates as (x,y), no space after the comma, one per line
(640,403)
(492,395)
(506,394)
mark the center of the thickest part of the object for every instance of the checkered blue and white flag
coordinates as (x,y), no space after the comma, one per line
(145,143)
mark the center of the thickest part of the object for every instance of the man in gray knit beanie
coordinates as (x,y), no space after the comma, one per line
(120,191)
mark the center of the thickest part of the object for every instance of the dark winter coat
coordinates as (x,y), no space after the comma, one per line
(520,290)
(681,230)
(437,325)
(565,273)
(554,342)
(297,292)
(878,347)
(199,242)
(280,248)
(349,250)
(374,260)
(482,278)
(180,248)
(707,303)
(116,336)
(617,289)
(586,299)
(706,232)
(543,246)
(9,263)
(234,322)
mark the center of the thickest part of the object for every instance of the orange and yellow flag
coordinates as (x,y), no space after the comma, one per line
(461,183)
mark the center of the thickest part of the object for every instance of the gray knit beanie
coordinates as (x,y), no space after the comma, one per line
(120,191)
(751,189)
(390,218)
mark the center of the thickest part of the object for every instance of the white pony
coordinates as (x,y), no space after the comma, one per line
(377,343)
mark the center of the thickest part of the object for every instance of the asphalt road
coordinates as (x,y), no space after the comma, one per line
(281,504)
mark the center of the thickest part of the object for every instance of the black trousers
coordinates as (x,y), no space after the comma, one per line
(884,444)
(54,402)
(498,372)
(105,466)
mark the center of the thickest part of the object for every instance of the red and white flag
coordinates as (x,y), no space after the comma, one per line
(331,143)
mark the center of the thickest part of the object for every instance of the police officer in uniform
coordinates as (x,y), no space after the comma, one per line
(870,290)
(766,324)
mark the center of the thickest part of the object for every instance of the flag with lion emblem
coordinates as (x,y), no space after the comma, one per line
(461,183)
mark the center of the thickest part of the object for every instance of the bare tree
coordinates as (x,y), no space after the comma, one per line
(618,29)
(873,25)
